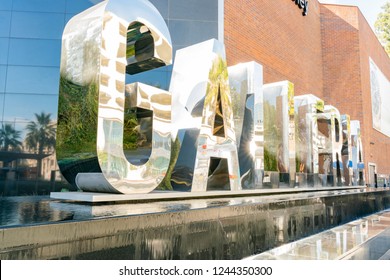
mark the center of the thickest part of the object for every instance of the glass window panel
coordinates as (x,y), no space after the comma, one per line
(1,106)
(26,79)
(162,7)
(191,32)
(5,5)
(3,50)
(77,6)
(35,52)
(68,17)
(3,75)
(37,25)
(23,107)
(39,5)
(194,9)
(5,20)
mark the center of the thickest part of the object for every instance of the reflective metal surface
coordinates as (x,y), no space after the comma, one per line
(246,88)
(331,139)
(357,155)
(306,137)
(220,140)
(346,152)
(203,120)
(279,135)
(99,47)
(116,166)
(223,228)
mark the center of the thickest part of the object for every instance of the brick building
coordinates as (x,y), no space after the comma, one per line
(326,53)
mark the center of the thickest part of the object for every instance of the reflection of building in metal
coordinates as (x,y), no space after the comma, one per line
(279,135)
(357,155)
(330,130)
(199,92)
(346,152)
(246,88)
(307,138)
(120,39)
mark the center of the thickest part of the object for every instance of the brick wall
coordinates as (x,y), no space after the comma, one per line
(275,34)
(341,59)
(348,43)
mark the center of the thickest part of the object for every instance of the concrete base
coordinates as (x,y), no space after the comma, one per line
(169,195)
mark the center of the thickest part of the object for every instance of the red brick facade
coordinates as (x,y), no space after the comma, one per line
(325,53)
(275,34)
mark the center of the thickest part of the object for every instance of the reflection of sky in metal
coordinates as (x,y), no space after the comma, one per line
(158,77)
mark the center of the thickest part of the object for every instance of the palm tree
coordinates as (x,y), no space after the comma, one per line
(40,135)
(9,138)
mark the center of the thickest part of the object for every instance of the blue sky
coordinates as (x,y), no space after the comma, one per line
(369,8)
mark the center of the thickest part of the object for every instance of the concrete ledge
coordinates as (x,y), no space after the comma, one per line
(169,195)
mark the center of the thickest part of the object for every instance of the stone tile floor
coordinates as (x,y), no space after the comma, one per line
(364,239)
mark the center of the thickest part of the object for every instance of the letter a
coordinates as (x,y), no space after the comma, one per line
(202,101)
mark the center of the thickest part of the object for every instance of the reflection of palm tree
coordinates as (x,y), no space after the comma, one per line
(41,135)
(9,138)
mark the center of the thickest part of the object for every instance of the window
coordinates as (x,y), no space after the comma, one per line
(26,79)
(37,25)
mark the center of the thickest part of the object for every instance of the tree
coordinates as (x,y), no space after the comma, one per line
(40,136)
(9,138)
(382,27)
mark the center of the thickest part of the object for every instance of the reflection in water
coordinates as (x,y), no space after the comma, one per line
(342,242)
(223,228)
(25,210)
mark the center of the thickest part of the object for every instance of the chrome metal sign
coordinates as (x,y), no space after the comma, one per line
(216,128)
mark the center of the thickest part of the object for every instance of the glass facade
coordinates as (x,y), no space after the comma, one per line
(30,48)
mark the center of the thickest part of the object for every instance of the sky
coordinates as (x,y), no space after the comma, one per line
(369,8)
